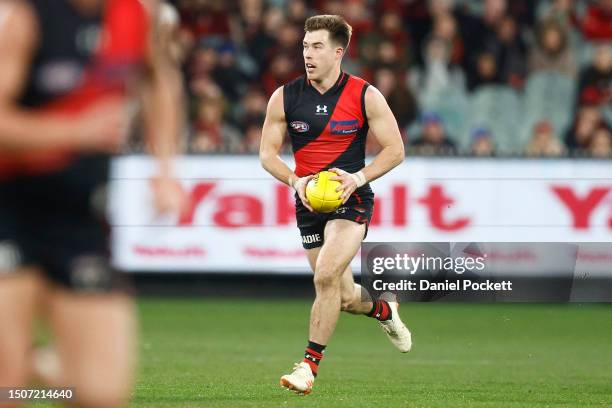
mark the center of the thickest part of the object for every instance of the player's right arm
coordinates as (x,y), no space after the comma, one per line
(100,128)
(272,135)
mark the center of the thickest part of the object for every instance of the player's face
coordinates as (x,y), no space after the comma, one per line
(321,54)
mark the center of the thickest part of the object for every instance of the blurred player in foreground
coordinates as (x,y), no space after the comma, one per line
(71,73)
(327,114)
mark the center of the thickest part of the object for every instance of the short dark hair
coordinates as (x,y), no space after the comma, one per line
(339,30)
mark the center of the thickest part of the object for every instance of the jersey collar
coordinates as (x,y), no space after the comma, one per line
(342,78)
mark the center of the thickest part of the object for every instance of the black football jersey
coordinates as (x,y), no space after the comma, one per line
(327,130)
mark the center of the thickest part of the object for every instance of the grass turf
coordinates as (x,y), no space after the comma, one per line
(228,353)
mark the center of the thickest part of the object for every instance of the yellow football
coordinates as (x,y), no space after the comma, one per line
(321,192)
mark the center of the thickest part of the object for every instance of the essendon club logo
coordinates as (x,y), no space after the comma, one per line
(299,126)
(344,127)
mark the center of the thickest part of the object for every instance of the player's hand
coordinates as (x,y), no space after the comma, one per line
(103,127)
(168,196)
(349,182)
(299,185)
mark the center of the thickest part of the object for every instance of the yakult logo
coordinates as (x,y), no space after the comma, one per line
(392,207)
(582,206)
(232,210)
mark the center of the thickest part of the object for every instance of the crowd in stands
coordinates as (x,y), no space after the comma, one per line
(475,77)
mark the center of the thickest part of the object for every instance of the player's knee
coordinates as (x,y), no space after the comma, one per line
(328,273)
(324,279)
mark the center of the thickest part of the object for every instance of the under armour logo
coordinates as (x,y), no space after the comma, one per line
(321,109)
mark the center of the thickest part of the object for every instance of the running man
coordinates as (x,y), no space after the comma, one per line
(71,73)
(328,114)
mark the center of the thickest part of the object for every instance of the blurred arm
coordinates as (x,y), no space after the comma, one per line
(162,99)
(21,129)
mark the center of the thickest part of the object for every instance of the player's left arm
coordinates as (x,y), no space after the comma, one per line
(162,107)
(384,128)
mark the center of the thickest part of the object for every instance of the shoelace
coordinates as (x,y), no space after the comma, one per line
(387,328)
(297,367)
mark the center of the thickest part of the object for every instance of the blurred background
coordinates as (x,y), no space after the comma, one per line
(505,108)
(463,77)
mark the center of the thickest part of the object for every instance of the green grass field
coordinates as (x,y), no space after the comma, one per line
(229,353)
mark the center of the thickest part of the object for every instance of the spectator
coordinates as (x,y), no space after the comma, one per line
(289,42)
(282,70)
(523,12)
(588,120)
(391,29)
(392,34)
(253,108)
(206,19)
(497,35)
(260,43)
(443,53)
(421,16)
(251,14)
(402,102)
(544,142)
(204,61)
(510,51)
(357,12)
(233,45)
(252,137)
(601,143)
(596,80)
(330,6)
(433,139)
(247,26)
(482,143)
(487,72)
(211,133)
(596,24)
(390,57)
(226,74)
(478,31)
(445,29)
(551,51)
(560,11)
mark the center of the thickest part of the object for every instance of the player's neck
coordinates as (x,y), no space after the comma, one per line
(326,83)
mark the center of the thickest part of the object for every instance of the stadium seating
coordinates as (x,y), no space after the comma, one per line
(499,109)
(548,96)
(452,104)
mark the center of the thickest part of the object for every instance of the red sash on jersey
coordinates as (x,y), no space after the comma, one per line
(319,153)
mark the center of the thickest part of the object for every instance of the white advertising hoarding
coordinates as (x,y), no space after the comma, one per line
(241,219)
